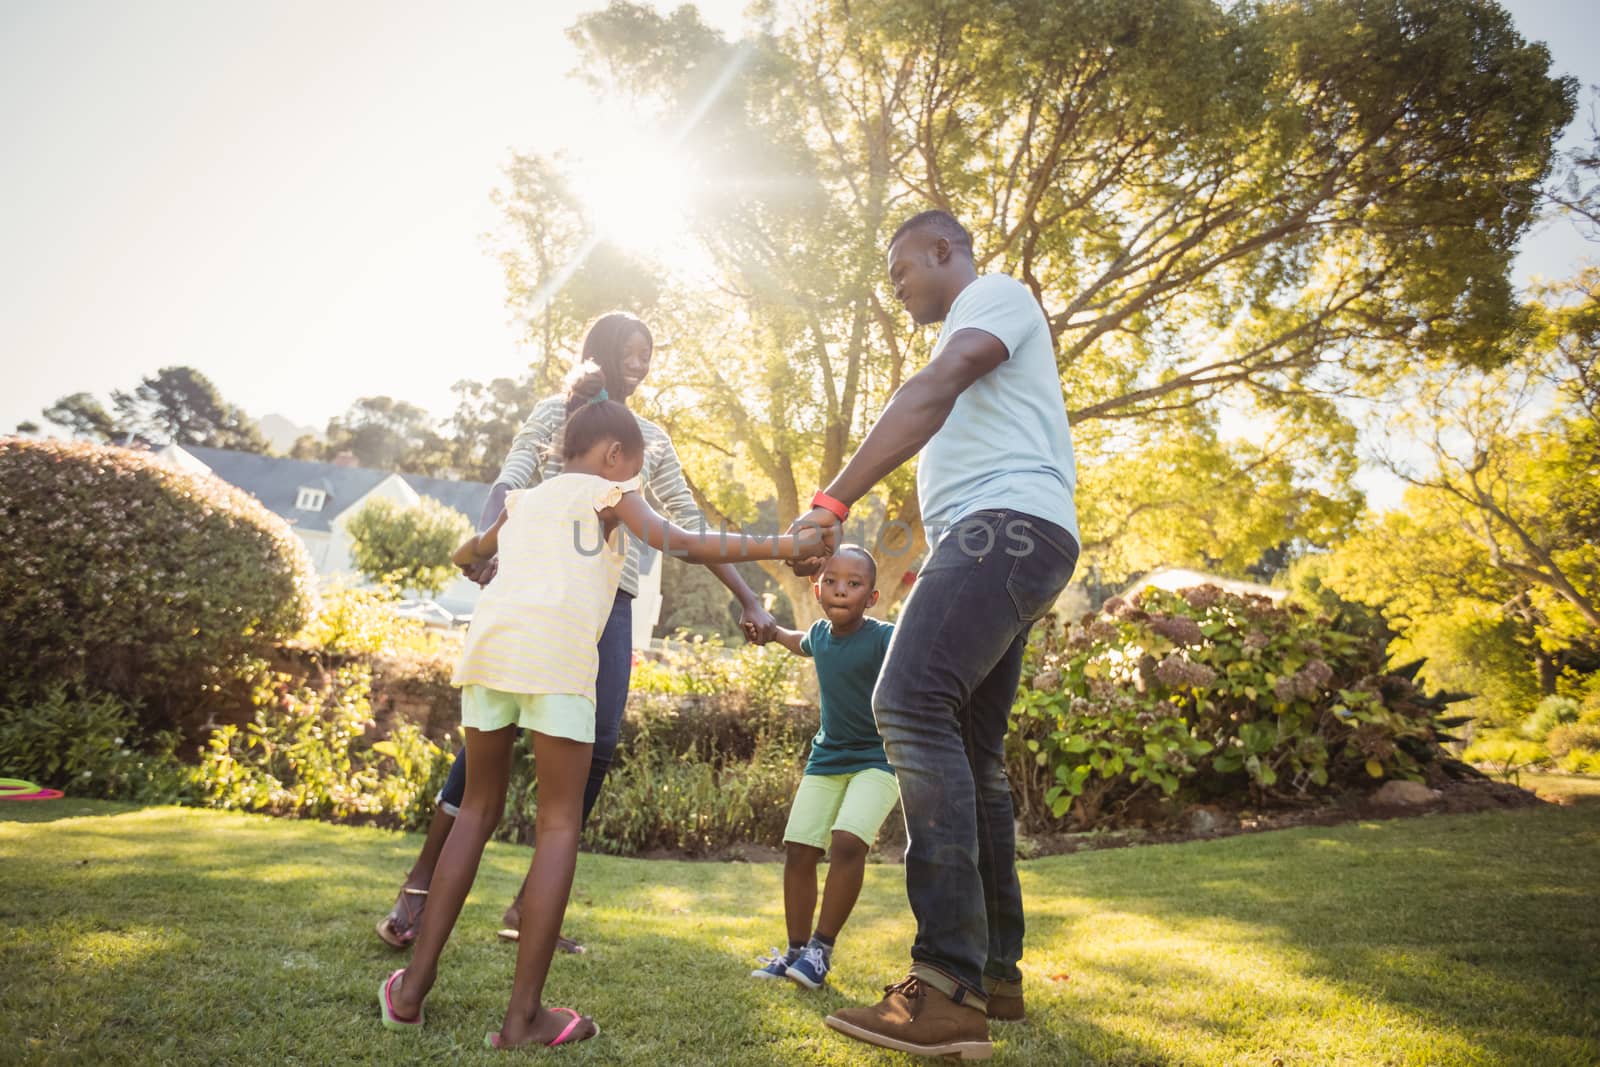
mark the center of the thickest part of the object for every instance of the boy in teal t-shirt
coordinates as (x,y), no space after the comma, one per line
(849,788)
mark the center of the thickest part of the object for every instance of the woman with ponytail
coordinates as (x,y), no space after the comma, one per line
(617,351)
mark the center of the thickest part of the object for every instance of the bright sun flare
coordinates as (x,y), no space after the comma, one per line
(638,197)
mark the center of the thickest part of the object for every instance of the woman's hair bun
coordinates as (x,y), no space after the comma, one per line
(583,383)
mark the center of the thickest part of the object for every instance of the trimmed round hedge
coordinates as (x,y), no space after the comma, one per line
(161,586)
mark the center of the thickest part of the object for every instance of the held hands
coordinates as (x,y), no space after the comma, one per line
(817,529)
(757,624)
(482,573)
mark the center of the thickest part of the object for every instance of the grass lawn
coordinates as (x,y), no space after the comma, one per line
(177,936)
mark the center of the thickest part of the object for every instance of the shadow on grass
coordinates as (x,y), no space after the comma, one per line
(1497,959)
(37,811)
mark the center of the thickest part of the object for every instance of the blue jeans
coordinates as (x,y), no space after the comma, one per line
(943,704)
(610,701)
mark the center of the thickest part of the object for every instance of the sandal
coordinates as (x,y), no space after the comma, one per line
(491,1040)
(563,943)
(399,928)
(391,1021)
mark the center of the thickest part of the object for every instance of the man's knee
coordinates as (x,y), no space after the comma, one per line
(989,775)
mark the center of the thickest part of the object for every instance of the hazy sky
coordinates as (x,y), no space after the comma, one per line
(291,196)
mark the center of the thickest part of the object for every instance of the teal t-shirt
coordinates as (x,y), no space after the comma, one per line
(847,671)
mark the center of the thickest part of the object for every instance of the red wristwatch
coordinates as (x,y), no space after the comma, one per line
(823,500)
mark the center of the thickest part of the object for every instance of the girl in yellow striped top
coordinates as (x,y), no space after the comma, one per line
(530,661)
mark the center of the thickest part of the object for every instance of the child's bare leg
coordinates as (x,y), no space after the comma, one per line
(421,874)
(513,916)
(562,766)
(489,760)
(847,868)
(799,889)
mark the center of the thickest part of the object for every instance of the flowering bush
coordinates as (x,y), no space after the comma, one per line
(164,586)
(1208,692)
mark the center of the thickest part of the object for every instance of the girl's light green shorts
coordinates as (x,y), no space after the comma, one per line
(855,803)
(556,714)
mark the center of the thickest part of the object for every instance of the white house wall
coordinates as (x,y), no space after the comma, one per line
(316,542)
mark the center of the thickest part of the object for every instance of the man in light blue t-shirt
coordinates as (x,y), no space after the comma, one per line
(995,484)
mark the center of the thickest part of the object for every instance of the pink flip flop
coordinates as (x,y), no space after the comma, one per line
(491,1040)
(391,1021)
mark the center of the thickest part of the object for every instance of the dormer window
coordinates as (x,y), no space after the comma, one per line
(310,499)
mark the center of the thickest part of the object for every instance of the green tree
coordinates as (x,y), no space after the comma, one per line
(1515,456)
(486,420)
(83,416)
(1492,568)
(1176,492)
(306,446)
(1446,603)
(388,434)
(407,547)
(1263,206)
(182,406)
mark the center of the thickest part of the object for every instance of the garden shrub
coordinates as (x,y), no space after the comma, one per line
(88,743)
(658,800)
(1553,711)
(1207,693)
(411,665)
(691,774)
(416,689)
(307,753)
(764,677)
(1573,737)
(165,587)
(1562,733)
(350,621)
(712,748)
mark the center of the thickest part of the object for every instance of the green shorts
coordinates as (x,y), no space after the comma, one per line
(855,803)
(555,714)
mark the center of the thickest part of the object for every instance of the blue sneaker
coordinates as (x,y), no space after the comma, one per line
(811,969)
(775,965)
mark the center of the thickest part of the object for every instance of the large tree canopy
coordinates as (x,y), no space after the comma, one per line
(1245,211)
(1492,567)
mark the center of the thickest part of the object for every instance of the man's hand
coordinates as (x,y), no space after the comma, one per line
(828,523)
(482,573)
(757,623)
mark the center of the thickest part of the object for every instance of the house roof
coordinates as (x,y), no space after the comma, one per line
(277,482)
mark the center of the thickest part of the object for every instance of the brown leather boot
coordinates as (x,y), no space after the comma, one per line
(1005,1000)
(914,1017)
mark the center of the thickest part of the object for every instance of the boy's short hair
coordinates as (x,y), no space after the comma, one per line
(859,553)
